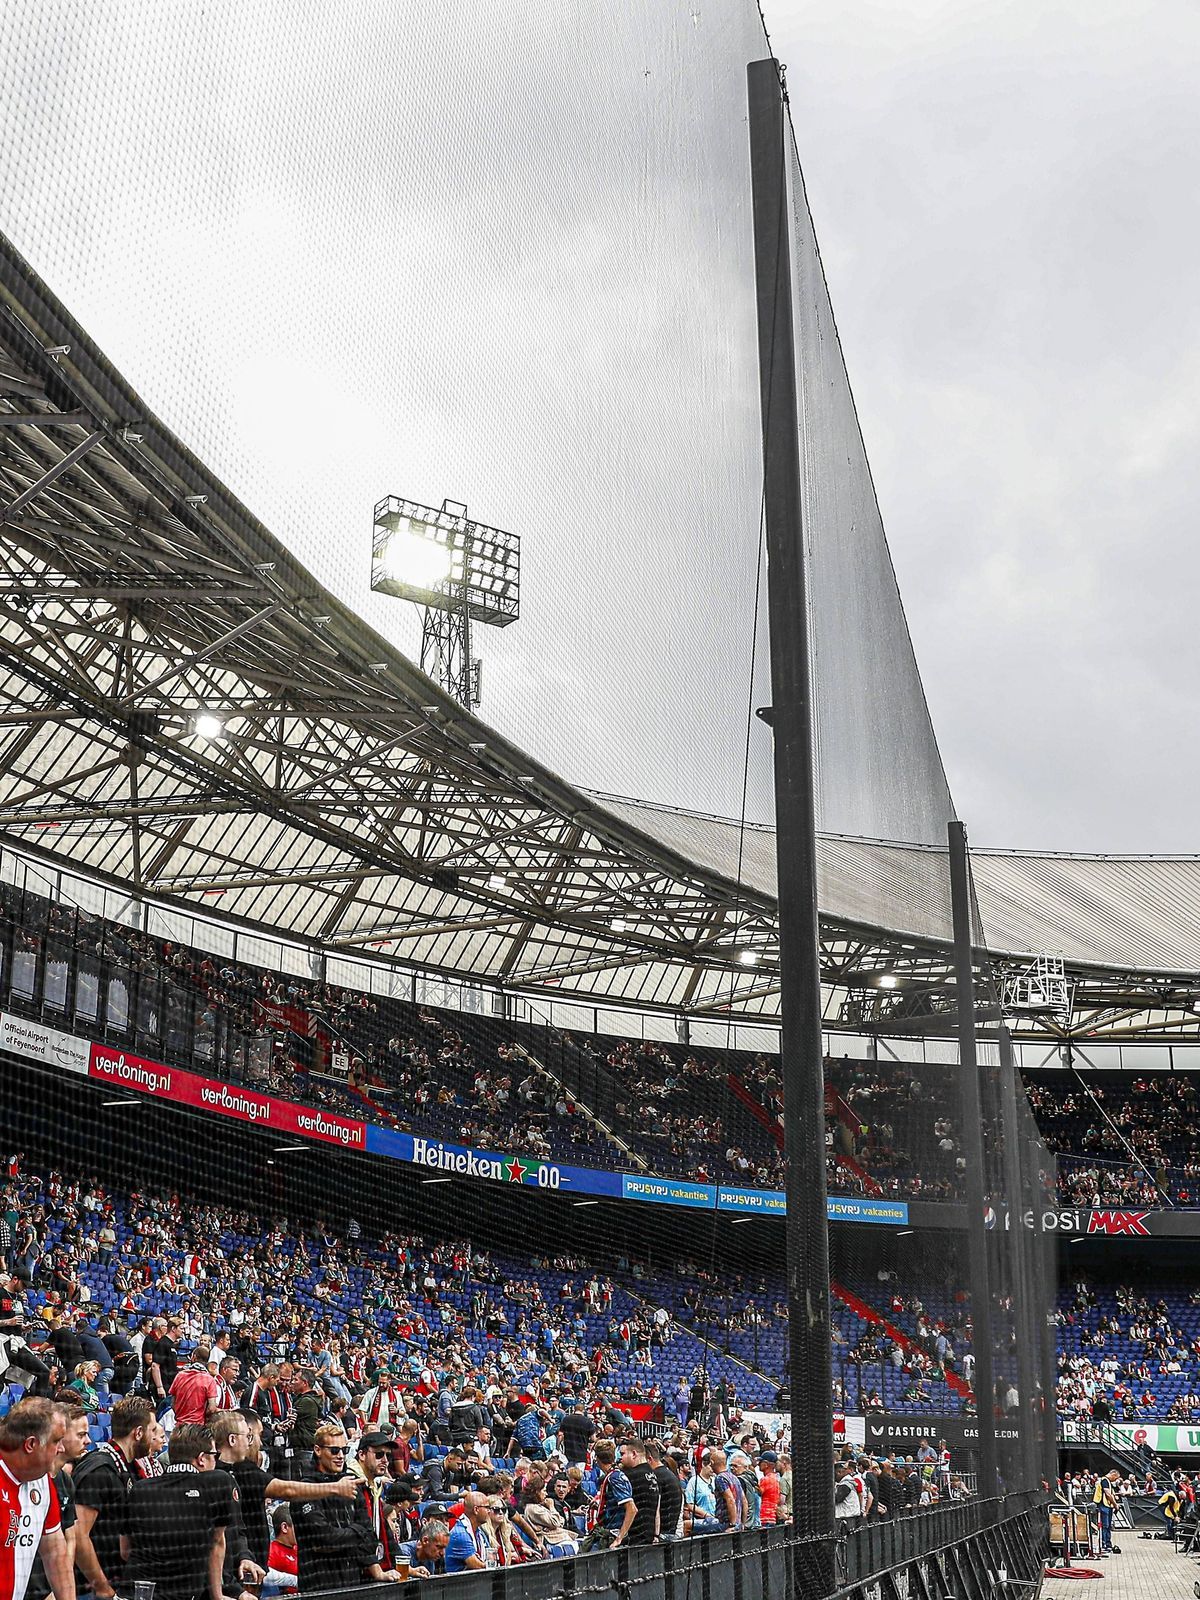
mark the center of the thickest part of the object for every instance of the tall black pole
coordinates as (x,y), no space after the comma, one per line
(1021,1248)
(806,1226)
(972,1143)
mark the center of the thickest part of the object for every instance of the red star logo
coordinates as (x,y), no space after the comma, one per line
(516,1172)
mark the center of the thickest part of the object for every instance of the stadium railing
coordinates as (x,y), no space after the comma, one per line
(968,1543)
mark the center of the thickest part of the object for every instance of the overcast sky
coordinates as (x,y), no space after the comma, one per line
(1007,202)
(499,253)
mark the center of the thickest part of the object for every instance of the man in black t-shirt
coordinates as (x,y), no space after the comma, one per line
(102,1483)
(870,1477)
(67,1347)
(447,1477)
(642,1481)
(890,1498)
(122,1357)
(177,1522)
(160,1358)
(670,1492)
(467,1415)
(74,1448)
(576,1431)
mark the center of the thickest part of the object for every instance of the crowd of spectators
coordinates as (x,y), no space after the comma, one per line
(685,1115)
(703,1113)
(1128,1355)
(880,1489)
(464,1390)
(893,1128)
(458,1385)
(1122,1139)
(1091,1183)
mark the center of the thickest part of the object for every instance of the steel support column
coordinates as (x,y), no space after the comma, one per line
(800,1044)
(972,1132)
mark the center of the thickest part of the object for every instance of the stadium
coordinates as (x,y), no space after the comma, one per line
(816,1196)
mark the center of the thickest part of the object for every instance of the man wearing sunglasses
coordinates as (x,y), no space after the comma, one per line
(336,1541)
(239,1446)
(372,1470)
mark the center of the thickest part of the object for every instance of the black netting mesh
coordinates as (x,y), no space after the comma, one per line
(437,1282)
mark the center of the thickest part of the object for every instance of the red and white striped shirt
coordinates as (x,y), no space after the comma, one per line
(27,1511)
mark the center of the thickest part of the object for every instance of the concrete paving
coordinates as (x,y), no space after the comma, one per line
(1146,1569)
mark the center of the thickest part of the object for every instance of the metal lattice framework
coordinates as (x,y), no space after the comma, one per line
(349,802)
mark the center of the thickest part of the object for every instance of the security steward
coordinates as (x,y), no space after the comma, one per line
(336,1542)
(177,1522)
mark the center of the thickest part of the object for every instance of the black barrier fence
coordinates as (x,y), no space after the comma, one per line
(998,1547)
(1015,1522)
(954,1550)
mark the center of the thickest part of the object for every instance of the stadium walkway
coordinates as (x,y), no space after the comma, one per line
(1145,1570)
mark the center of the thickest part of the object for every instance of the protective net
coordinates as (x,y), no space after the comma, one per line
(507,262)
(879,771)
(246,1155)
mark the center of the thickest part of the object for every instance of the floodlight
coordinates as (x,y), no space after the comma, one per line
(888,980)
(445,560)
(413,562)
(497,881)
(748,958)
(206,726)
(461,571)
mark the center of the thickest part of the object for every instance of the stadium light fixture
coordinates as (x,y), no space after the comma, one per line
(888,980)
(619,925)
(497,881)
(459,570)
(748,958)
(414,562)
(208,726)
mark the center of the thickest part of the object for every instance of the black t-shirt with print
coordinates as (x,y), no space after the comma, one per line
(102,1481)
(670,1499)
(646,1498)
(252,1484)
(172,1520)
(164,1352)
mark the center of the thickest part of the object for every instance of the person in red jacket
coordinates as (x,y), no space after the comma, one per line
(194,1390)
(769,1489)
(282,1564)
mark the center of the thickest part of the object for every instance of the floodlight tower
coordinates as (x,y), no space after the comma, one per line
(460,572)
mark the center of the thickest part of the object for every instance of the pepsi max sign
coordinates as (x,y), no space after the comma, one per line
(1112,1224)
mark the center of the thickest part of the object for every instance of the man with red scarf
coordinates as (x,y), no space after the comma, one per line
(270,1398)
(382,1405)
(372,1466)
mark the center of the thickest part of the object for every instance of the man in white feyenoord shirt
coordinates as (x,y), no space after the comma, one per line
(31,1438)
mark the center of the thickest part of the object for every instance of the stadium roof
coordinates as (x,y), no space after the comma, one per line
(349,802)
